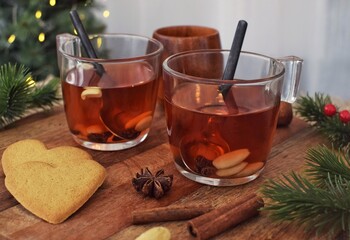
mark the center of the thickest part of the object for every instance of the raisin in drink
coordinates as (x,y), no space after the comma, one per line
(116,107)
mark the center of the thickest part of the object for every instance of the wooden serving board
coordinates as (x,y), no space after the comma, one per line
(107,214)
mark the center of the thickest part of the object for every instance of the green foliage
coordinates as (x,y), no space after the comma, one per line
(311,109)
(17,17)
(320,200)
(322,162)
(46,95)
(19,93)
(15,88)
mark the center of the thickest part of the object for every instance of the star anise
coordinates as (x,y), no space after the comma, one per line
(153,186)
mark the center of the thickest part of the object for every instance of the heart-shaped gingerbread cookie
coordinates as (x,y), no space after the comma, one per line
(50,183)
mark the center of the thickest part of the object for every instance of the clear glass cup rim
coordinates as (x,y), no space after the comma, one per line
(190,78)
(110,35)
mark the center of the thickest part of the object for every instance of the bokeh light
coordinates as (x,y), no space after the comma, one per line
(41,37)
(106,13)
(11,38)
(52,3)
(38,14)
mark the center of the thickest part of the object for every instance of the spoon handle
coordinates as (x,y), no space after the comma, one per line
(231,66)
(89,49)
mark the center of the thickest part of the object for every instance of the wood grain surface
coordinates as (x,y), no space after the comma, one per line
(107,214)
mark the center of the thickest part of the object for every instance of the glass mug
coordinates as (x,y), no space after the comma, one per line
(110,101)
(221,131)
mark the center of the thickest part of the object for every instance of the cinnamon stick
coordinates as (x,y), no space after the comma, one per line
(220,219)
(169,213)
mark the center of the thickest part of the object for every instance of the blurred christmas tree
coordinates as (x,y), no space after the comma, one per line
(28,31)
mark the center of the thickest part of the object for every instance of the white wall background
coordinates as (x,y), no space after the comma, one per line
(316,30)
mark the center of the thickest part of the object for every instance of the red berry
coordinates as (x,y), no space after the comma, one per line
(329,110)
(344,116)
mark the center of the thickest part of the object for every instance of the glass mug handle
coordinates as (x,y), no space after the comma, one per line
(61,39)
(292,65)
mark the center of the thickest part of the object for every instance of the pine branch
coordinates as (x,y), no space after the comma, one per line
(337,132)
(320,200)
(15,88)
(324,210)
(312,110)
(45,96)
(19,93)
(323,162)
